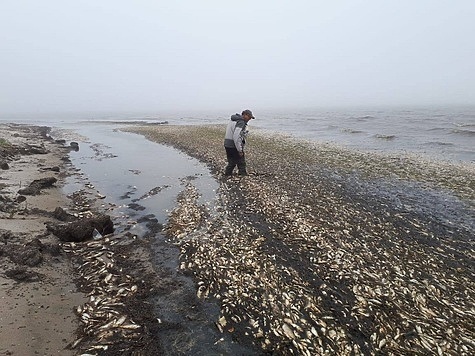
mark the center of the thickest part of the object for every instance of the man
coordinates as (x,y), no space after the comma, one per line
(234,142)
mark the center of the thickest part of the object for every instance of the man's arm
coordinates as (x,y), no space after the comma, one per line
(237,137)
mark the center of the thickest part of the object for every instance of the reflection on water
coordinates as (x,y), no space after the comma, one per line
(143,179)
(134,172)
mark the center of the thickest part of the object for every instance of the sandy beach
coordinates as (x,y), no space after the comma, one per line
(319,250)
(37,291)
(53,300)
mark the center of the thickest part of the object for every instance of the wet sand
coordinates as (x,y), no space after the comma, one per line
(37,293)
(322,249)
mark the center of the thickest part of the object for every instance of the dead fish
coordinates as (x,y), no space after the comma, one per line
(288,331)
(130,326)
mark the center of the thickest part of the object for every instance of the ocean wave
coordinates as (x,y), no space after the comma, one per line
(437,129)
(385,137)
(438,143)
(464,124)
(351,131)
(364,118)
(464,132)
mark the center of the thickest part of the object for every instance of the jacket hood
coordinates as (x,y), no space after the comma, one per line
(236,117)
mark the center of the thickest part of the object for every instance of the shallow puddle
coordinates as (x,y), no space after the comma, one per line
(136,175)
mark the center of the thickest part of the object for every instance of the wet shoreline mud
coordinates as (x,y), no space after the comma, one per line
(321,249)
(66,288)
(36,288)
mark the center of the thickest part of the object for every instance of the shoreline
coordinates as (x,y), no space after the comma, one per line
(308,254)
(37,292)
(59,296)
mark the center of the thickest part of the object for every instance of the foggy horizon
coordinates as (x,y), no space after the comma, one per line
(152,57)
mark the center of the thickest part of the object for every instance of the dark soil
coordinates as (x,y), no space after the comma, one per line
(83,229)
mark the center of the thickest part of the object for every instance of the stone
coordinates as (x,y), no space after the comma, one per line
(82,230)
(37,185)
(74,146)
(60,214)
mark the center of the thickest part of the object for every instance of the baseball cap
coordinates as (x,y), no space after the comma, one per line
(248,112)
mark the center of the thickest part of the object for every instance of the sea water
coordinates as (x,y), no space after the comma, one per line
(440,133)
(435,133)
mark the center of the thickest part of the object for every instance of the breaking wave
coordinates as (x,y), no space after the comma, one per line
(364,118)
(439,143)
(464,132)
(351,131)
(385,137)
(465,124)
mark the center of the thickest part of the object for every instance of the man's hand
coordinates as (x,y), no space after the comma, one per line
(241,153)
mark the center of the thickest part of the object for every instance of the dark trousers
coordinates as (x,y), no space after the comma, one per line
(234,159)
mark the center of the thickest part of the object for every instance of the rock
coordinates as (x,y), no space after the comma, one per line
(60,142)
(83,229)
(4,165)
(136,207)
(34,149)
(60,214)
(53,169)
(54,249)
(152,224)
(21,274)
(5,235)
(74,146)
(20,199)
(35,243)
(6,204)
(35,187)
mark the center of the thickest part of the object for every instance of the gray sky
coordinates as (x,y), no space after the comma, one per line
(114,55)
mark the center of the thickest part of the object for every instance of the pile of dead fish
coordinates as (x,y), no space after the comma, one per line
(83,202)
(301,266)
(304,285)
(102,316)
(104,320)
